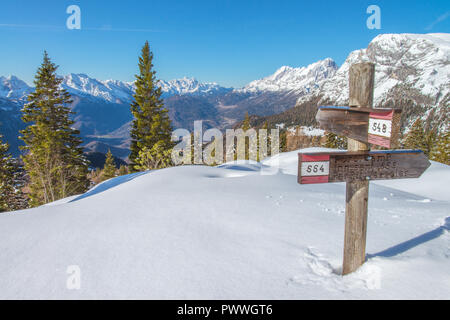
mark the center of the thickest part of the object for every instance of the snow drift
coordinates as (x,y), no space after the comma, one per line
(229,232)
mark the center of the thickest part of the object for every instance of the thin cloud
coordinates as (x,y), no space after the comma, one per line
(11,25)
(438,20)
(103,28)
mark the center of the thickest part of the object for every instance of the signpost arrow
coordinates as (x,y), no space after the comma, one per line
(361,165)
(376,126)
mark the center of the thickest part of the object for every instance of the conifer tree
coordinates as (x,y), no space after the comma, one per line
(109,169)
(334,141)
(441,151)
(53,158)
(151,124)
(430,142)
(416,137)
(6,178)
(123,170)
(156,158)
(246,123)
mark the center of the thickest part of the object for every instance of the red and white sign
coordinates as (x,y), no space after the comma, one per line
(380,128)
(314,168)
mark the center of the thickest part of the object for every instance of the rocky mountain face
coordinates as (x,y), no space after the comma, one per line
(412,72)
(302,80)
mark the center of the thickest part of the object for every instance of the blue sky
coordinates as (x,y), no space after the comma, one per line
(229,41)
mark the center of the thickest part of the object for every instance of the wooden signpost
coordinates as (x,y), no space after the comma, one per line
(375,126)
(361,165)
(362,125)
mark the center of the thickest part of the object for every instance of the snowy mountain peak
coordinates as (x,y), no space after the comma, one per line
(418,60)
(408,67)
(300,79)
(13,88)
(190,86)
(109,90)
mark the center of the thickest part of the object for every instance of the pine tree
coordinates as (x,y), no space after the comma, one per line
(151,124)
(246,123)
(157,157)
(123,170)
(430,142)
(334,141)
(441,151)
(6,178)
(416,137)
(109,169)
(53,158)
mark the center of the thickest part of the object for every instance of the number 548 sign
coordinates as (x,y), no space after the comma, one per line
(376,126)
(380,128)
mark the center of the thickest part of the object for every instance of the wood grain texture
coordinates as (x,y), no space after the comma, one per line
(361,89)
(354,123)
(371,166)
(361,80)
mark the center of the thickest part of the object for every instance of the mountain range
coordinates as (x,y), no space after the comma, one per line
(412,72)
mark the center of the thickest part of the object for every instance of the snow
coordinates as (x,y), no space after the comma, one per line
(304,79)
(13,88)
(114,91)
(416,60)
(190,86)
(229,232)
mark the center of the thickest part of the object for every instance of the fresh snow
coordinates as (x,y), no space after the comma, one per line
(421,59)
(13,88)
(303,79)
(114,91)
(229,232)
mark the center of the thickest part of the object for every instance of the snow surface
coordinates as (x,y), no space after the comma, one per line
(229,232)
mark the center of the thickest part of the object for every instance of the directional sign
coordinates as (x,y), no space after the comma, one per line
(376,126)
(361,165)
(314,168)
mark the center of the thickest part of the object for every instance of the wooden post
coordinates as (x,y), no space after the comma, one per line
(361,81)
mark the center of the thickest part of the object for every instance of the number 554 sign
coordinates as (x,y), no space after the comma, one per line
(314,168)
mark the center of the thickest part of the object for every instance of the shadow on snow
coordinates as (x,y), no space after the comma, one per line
(414,242)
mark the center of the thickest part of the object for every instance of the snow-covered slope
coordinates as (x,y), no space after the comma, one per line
(227,232)
(303,79)
(13,88)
